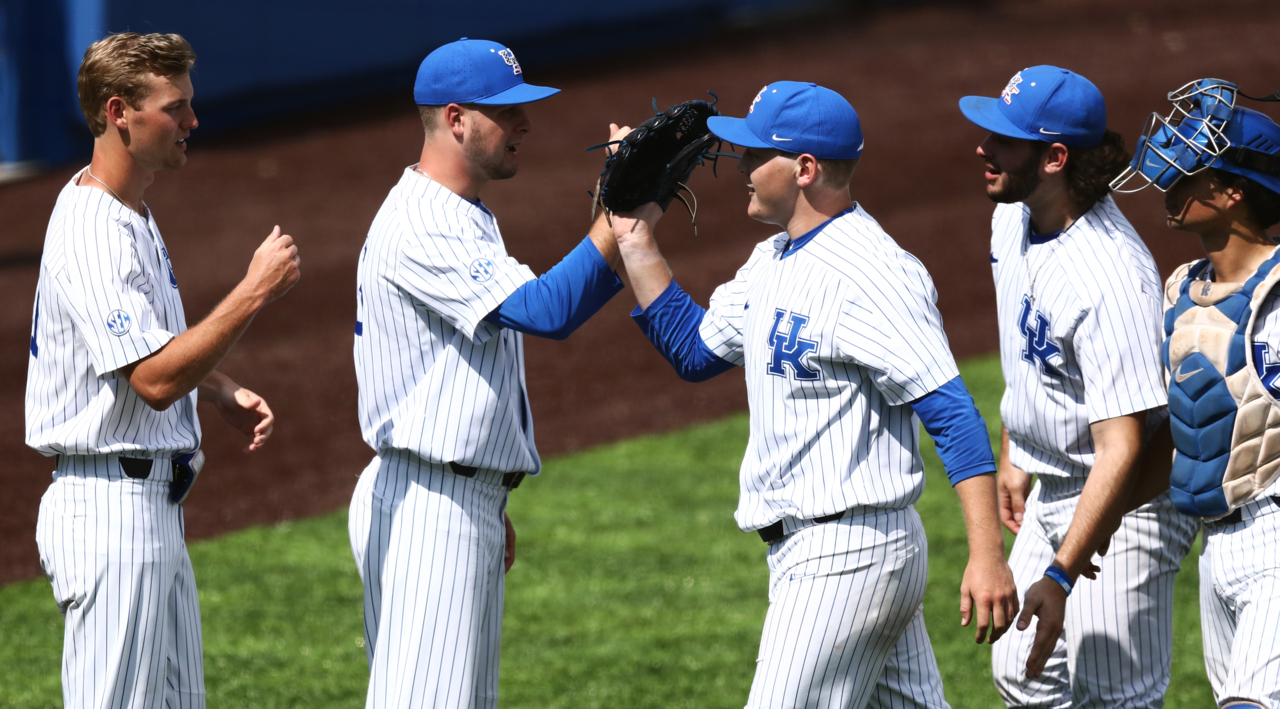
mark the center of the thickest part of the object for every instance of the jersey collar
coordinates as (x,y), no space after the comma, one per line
(794,245)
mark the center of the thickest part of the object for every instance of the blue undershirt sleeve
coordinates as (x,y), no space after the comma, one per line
(950,416)
(671,323)
(558,302)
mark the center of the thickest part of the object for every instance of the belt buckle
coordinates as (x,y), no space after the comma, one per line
(186,468)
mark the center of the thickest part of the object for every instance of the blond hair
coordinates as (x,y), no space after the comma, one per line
(117,65)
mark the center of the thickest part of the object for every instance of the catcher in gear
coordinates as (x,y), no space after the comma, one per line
(653,162)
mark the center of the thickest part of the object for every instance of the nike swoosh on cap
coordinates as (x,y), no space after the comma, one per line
(1049,132)
(775,137)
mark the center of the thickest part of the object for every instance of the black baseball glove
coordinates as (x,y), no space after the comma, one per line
(654,161)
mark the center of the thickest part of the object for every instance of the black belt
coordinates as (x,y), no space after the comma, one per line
(774,532)
(1237,516)
(510,481)
(137,468)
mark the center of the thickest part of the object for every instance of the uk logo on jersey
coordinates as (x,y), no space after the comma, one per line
(482,270)
(1268,369)
(1011,88)
(118,322)
(173,280)
(1039,348)
(509,57)
(788,350)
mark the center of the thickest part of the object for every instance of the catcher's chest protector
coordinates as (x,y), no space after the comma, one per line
(1226,425)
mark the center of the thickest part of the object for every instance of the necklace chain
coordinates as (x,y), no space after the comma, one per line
(113,192)
(1031,275)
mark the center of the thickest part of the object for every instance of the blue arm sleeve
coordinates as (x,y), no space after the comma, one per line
(554,305)
(671,324)
(950,416)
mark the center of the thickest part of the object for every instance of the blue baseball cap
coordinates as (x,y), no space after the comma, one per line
(1045,103)
(796,117)
(474,71)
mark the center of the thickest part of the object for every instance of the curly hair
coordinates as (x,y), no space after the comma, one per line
(118,64)
(1089,171)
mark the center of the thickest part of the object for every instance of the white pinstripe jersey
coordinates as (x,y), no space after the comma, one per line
(107,297)
(435,378)
(1086,348)
(836,337)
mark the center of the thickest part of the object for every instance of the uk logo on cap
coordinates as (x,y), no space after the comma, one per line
(510,58)
(1011,88)
(754,101)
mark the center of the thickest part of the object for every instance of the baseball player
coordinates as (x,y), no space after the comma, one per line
(1078,304)
(845,354)
(1218,165)
(112,384)
(439,357)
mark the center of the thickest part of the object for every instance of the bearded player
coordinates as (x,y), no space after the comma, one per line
(1079,312)
(439,354)
(844,353)
(1218,164)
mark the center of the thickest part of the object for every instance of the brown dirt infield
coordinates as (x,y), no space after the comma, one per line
(323,178)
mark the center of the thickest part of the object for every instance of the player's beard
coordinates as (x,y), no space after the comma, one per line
(492,164)
(1019,182)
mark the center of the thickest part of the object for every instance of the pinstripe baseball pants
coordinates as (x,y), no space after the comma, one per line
(845,626)
(1117,644)
(1240,605)
(428,545)
(112,546)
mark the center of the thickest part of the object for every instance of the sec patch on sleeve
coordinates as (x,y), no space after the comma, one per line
(482,270)
(118,322)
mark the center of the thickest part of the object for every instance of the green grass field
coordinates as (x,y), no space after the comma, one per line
(632,588)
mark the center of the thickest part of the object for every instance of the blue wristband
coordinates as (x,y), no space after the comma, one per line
(1061,577)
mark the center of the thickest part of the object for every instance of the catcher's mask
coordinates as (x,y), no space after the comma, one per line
(1205,129)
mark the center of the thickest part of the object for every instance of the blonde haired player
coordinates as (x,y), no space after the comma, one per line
(112,384)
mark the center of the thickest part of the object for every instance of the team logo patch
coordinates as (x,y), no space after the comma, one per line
(788,350)
(510,58)
(118,322)
(173,280)
(1039,347)
(1011,88)
(756,100)
(482,270)
(1268,368)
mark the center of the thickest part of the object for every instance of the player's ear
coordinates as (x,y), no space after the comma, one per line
(115,113)
(454,118)
(1055,158)
(807,170)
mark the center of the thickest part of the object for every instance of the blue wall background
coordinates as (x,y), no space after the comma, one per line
(260,58)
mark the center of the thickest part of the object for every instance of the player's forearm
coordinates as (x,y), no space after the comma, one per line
(187,360)
(646,268)
(601,234)
(1111,482)
(981,518)
(215,387)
